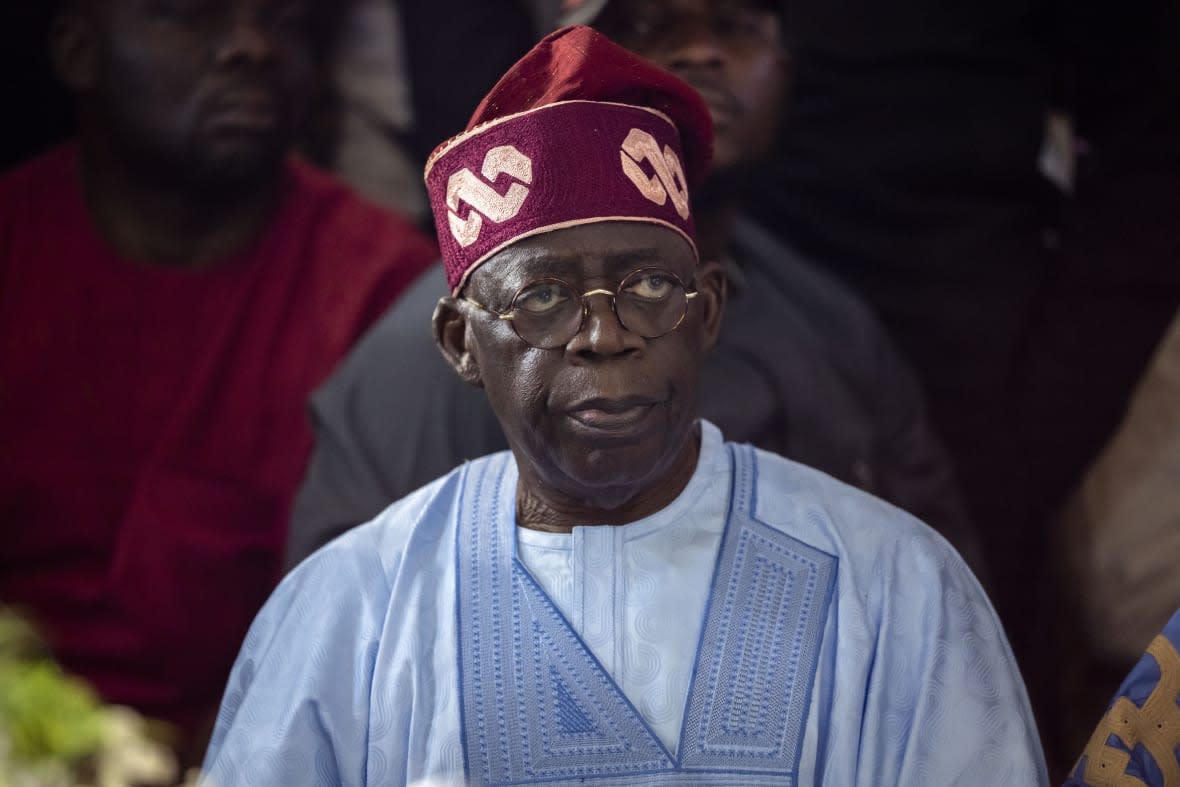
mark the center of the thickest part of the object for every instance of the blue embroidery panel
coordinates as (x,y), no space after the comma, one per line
(580,723)
(538,707)
(760,645)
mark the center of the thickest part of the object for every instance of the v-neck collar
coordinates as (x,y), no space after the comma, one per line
(539,708)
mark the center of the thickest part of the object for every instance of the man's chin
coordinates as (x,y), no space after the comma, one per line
(615,495)
(236,167)
(609,482)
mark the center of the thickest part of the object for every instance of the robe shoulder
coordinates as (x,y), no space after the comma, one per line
(409,524)
(295,706)
(836,517)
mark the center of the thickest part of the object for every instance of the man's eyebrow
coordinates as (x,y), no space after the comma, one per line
(543,263)
(535,264)
(633,258)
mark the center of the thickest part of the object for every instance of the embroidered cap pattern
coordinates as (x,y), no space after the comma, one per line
(668,180)
(482,197)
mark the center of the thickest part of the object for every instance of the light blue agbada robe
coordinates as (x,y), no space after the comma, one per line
(770,626)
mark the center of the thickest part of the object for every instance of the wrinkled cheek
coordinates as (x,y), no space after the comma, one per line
(518,403)
(531,388)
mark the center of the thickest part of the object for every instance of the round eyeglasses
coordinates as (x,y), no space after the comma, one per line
(549,312)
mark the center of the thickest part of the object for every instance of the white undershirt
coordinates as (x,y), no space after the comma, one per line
(636,593)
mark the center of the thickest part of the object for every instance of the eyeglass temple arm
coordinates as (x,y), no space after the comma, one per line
(478,305)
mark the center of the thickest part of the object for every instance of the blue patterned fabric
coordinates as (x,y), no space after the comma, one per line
(843,644)
(536,706)
(1138,740)
(560,718)
(760,644)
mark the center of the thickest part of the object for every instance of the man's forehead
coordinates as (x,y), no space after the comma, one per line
(604,248)
(544,262)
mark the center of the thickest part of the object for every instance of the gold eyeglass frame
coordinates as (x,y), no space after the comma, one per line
(510,315)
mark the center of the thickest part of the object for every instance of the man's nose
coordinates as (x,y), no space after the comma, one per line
(245,40)
(694,45)
(603,335)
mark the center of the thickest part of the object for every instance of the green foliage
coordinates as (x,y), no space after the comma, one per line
(47,714)
(54,730)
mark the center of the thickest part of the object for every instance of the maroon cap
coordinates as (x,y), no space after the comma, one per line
(580,130)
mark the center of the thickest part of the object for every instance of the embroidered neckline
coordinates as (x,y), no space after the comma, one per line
(537,706)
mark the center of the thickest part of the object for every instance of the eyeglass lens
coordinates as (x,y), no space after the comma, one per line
(548,313)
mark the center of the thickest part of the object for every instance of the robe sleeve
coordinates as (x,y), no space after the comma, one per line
(946,704)
(295,708)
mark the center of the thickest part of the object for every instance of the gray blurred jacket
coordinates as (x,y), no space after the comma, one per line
(802,368)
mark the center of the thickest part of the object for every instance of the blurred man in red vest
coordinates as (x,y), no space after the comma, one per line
(172,285)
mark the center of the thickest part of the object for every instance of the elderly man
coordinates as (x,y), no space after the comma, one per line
(172,286)
(801,366)
(621,598)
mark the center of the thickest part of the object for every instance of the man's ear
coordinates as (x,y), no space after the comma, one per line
(454,340)
(713,289)
(73,48)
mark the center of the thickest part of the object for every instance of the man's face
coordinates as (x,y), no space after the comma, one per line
(602,418)
(731,51)
(210,90)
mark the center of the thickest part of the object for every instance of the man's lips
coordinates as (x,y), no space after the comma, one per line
(721,103)
(606,414)
(253,111)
